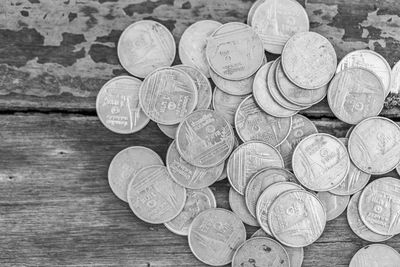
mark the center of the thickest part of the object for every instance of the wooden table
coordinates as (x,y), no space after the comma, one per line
(56,207)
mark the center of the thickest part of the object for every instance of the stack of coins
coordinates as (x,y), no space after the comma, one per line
(285,176)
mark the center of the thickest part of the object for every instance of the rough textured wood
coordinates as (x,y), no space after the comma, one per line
(57,54)
(56,207)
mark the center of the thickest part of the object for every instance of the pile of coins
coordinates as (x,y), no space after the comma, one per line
(285,176)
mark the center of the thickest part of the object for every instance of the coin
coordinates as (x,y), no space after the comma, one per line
(205,139)
(238,206)
(301,128)
(297,218)
(202,84)
(253,124)
(261,251)
(395,83)
(145,46)
(379,206)
(355,94)
(376,255)
(370,60)
(154,197)
(309,60)
(167,95)
(374,145)
(117,105)
(214,236)
(398,169)
(355,180)
(249,158)
(126,164)
(224,172)
(267,197)
(253,8)
(237,88)
(276,21)
(356,224)
(320,162)
(260,181)
(296,255)
(334,204)
(192,46)
(234,51)
(264,98)
(196,202)
(168,130)
(226,104)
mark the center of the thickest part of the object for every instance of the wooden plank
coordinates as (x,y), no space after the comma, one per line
(56,207)
(55,55)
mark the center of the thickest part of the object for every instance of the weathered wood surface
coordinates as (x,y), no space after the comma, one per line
(56,54)
(56,207)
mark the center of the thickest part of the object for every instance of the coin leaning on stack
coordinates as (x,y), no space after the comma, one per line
(281,160)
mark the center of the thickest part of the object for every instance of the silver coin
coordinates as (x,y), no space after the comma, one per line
(203,85)
(374,145)
(253,124)
(263,96)
(205,139)
(226,104)
(167,95)
(214,236)
(260,251)
(237,88)
(168,130)
(395,83)
(309,60)
(196,202)
(252,9)
(267,197)
(126,164)
(275,21)
(145,46)
(301,128)
(117,105)
(154,197)
(398,169)
(238,206)
(296,255)
(376,255)
(224,172)
(248,159)
(320,162)
(192,46)
(234,51)
(355,94)
(334,204)
(260,181)
(370,60)
(349,131)
(297,218)
(188,175)
(355,180)
(379,206)
(356,224)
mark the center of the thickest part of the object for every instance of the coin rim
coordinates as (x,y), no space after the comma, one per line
(342,208)
(373,245)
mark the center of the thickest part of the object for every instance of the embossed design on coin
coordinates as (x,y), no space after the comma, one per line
(168,130)
(154,197)
(379,206)
(214,236)
(145,46)
(356,224)
(234,51)
(188,175)
(261,251)
(370,60)
(334,204)
(253,124)
(297,218)
(247,160)
(224,172)
(374,145)
(309,60)
(275,21)
(167,95)
(376,255)
(355,94)
(205,139)
(192,46)
(238,206)
(226,104)
(196,202)
(118,108)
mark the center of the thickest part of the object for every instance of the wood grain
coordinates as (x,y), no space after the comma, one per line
(56,207)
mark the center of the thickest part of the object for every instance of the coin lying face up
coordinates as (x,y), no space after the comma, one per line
(238,206)
(226,104)
(376,255)
(334,204)
(236,88)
